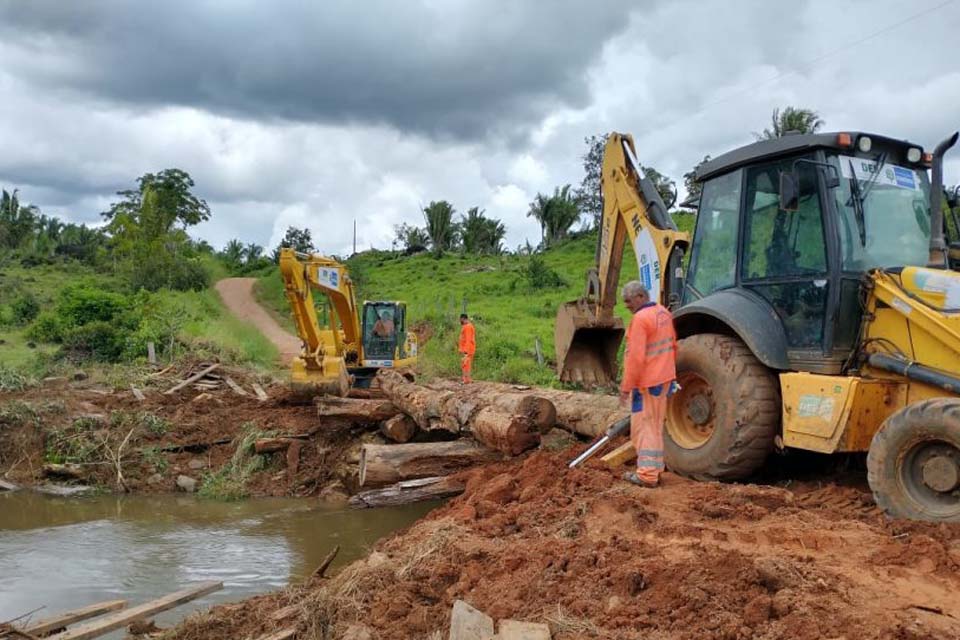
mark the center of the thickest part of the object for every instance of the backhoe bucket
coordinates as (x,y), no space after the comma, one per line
(586,347)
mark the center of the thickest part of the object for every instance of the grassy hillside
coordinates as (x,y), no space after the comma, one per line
(201,324)
(510,309)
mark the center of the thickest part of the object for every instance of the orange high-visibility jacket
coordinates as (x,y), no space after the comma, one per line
(468,342)
(651,349)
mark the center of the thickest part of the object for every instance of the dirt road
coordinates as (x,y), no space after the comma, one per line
(237,294)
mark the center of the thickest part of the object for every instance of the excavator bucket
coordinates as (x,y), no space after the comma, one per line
(586,346)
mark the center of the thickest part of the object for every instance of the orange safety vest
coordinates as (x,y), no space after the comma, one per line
(468,343)
(651,357)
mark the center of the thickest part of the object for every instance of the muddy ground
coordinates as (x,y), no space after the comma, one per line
(596,558)
(193,433)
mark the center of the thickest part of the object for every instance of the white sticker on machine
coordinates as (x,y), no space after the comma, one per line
(329,278)
(648,263)
(814,406)
(934,282)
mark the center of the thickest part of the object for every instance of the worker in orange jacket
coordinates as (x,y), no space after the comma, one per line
(649,377)
(467,347)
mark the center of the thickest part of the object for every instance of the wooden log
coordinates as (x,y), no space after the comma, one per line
(383,464)
(68,470)
(620,456)
(589,414)
(6,485)
(400,428)
(357,410)
(269,445)
(508,433)
(109,623)
(287,612)
(191,379)
(73,616)
(424,405)
(261,394)
(325,564)
(408,492)
(237,389)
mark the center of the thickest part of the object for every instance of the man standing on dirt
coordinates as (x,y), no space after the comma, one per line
(649,374)
(467,347)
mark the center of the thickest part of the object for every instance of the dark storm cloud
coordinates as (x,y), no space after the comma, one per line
(441,68)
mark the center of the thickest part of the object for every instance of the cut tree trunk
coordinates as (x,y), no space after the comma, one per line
(400,428)
(357,410)
(424,405)
(588,414)
(508,422)
(510,433)
(383,464)
(408,492)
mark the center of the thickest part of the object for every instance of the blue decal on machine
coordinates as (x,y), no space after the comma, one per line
(905,178)
(645,276)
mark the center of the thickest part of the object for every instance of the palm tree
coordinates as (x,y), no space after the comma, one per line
(556,214)
(480,234)
(791,119)
(232,253)
(440,226)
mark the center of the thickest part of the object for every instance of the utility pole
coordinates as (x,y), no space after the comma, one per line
(354,236)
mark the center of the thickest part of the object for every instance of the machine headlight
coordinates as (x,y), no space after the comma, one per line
(914,154)
(864,143)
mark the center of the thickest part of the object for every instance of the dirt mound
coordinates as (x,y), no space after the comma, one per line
(594,557)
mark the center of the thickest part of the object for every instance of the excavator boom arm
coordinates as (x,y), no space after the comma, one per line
(587,335)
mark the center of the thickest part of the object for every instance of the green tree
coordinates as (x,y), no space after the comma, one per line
(691,184)
(556,214)
(232,254)
(481,235)
(440,226)
(174,203)
(300,240)
(791,119)
(17,222)
(588,193)
(411,238)
(665,186)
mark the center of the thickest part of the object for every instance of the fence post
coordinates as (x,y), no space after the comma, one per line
(536,345)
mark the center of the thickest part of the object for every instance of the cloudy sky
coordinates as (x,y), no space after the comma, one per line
(316,114)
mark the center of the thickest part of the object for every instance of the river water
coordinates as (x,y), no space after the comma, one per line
(62,553)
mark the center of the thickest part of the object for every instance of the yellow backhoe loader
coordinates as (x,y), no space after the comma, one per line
(817,312)
(350,346)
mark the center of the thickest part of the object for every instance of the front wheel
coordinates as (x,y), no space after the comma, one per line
(722,422)
(913,465)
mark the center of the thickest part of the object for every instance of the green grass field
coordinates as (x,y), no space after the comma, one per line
(510,314)
(208,330)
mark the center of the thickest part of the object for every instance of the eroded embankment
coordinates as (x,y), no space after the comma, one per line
(594,557)
(78,432)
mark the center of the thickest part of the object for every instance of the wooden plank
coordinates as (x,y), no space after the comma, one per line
(191,379)
(151,353)
(620,456)
(137,393)
(283,634)
(118,620)
(73,616)
(287,612)
(237,389)
(261,394)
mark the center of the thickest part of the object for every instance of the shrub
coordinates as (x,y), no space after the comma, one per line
(25,308)
(79,305)
(12,380)
(48,327)
(98,340)
(540,276)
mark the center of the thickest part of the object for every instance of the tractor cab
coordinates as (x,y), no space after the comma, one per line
(386,341)
(785,230)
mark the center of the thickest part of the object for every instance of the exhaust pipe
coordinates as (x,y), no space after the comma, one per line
(938,246)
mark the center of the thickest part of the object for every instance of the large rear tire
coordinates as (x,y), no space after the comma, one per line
(722,422)
(913,465)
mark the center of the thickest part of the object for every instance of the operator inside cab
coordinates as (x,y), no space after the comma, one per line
(383,327)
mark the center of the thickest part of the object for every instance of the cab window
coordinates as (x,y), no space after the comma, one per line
(713,259)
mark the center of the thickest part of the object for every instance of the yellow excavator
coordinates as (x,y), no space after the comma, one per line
(817,310)
(351,345)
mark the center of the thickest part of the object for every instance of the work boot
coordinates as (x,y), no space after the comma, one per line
(633,478)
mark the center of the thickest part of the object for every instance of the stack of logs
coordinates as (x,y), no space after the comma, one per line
(445,427)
